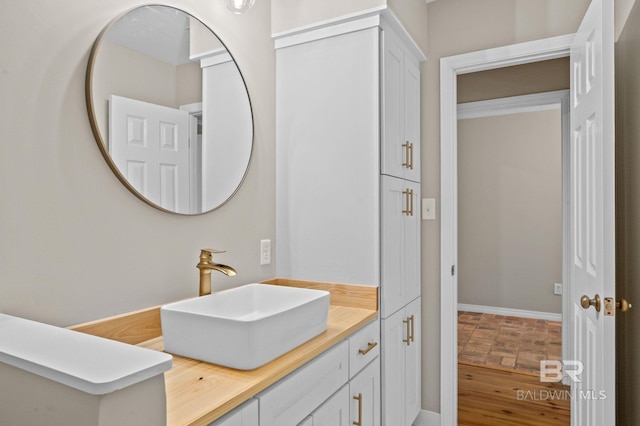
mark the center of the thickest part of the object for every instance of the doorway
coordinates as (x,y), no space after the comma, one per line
(451,67)
(591,208)
(510,245)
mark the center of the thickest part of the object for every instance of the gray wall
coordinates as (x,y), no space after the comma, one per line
(534,77)
(510,210)
(75,245)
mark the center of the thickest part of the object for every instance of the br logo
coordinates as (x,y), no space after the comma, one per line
(552,370)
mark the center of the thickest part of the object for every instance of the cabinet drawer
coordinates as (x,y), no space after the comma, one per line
(306,422)
(244,415)
(293,398)
(364,346)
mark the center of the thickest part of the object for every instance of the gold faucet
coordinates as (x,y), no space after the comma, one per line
(206,265)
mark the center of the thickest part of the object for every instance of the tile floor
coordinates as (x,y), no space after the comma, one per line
(508,342)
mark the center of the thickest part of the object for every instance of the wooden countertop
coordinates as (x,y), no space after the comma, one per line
(198,392)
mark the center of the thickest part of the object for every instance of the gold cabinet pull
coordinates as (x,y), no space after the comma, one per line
(408,202)
(408,155)
(368,349)
(407,161)
(359,399)
(408,339)
(411,336)
(411,202)
(410,329)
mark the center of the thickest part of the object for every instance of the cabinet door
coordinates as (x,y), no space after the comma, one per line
(413,358)
(401,372)
(393,152)
(244,415)
(335,411)
(393,369)
(411,279)
(400,110)
(400,244)
(412,118)
(365,396)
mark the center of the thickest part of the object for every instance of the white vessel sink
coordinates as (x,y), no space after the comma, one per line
(245,327)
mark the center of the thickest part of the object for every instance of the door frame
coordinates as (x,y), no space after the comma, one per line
(450,67)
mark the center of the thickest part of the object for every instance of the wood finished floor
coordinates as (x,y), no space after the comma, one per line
(490,396)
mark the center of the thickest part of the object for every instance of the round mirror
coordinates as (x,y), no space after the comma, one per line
(170,110)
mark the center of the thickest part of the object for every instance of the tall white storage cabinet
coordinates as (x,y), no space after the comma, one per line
(348,178)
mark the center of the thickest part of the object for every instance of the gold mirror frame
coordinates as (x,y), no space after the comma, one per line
(102,145)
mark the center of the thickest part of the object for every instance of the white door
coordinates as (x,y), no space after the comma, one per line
(150,146)
(592,214)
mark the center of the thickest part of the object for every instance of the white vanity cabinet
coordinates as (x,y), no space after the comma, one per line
(348,175)
(244,415)
(401,365)
(321,393)
(357,403)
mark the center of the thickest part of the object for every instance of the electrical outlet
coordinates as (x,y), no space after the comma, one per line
(557,289)
(265,252)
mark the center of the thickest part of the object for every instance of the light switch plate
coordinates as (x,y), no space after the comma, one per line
(557,288)
(428,209)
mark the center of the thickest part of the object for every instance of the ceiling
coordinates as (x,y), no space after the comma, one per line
(157,31)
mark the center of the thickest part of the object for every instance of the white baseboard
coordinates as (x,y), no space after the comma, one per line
(427,418)
(509,312)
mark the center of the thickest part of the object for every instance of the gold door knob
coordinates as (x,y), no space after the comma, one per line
(586,302)
(623,305)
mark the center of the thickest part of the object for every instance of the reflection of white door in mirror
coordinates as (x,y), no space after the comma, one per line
(165,56)
(150,146)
